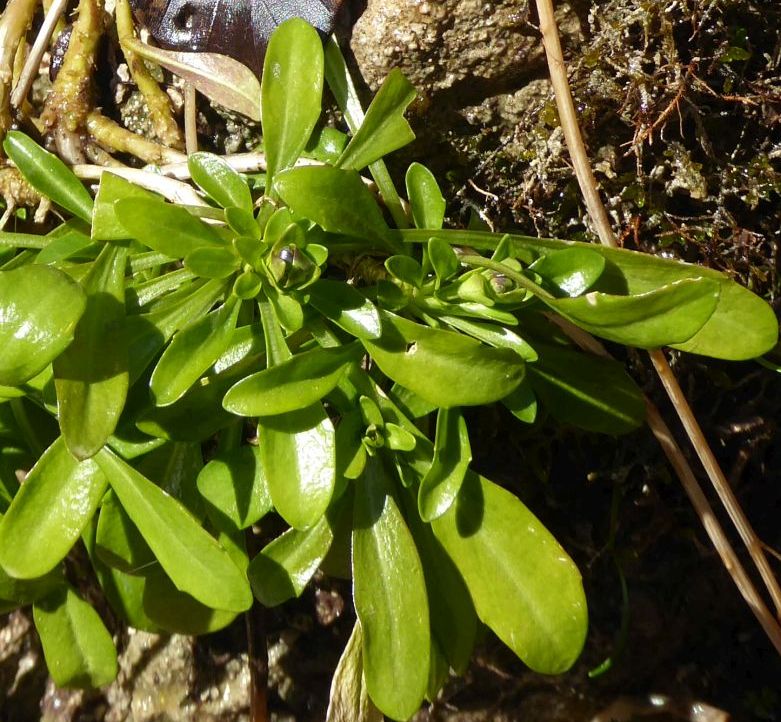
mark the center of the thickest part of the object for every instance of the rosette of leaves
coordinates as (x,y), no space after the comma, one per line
(143,343)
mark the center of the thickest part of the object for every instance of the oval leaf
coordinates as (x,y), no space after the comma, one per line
(443,367)
(164,227)
(298,452)
(670,314)
(426,200)
(47,515)
(346,307)
(191,352)
(39,309)
(572,271)
(193,560)
(390,599)
(234,485)
(452,456)
(523,584)
(291,92)
(219,181)
(78,648)
(294,384)
(91,375)
(48,174)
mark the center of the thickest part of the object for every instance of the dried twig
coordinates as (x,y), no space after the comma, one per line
(601,222)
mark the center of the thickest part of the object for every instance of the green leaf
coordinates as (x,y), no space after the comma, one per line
(319,192)
(349,700)
(91,375)
(571,271)
(298,452)
(212,262)
(294,384)
(191,352)
(443,259)
(522,403)
(193,560)
(405,269)
(452,456)
(426,201)
(77,646)
(443,367)
(105,225)
(670,314)
(39,308)
(493,335)
(16,593)
(164,227)
(523,584)
(149,332)
(347,307)
(384,129)
(177,612)
(587,391)
(244,224)
(291,93)
(285,566)
(234,485)
(219,181)
(48,174)
(56,501)
(390,598)
(118,542)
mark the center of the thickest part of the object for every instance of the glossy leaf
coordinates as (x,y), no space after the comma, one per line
(193,560)
(48,174)
(219,181)
(522,403)
(443,367)
(46,517)
(91,375)
(670,314)
(318,193)
(164,227)
(112,188)
(298,452)
(118,542)
(191,352)
(493,335)
(390,599)
(426,201)
(590,392)
(234,485)
(177,612)
(285,566)
(39,309)
(16,593)
(294,384)
(212,262)
(524,586)
(78,648)
(572,271)
(384,128)
(347,307)
(452,456)
(291,93)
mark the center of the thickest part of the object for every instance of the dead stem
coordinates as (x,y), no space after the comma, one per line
(33,62)
(190,125)
(599,217)
(15,20)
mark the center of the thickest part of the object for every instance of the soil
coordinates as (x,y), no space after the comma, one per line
(681,111)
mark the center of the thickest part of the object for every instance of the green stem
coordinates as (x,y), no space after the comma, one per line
(519,278)
(341,84)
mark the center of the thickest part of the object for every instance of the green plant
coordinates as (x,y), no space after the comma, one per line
(141,338)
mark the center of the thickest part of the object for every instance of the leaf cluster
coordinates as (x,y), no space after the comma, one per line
(322,355)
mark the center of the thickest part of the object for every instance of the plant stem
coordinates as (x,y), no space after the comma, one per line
(519,278)
(165,127)
(14,22)
(338,76)
(109,133)
(596,210)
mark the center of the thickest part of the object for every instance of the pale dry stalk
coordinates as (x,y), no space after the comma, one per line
(599,217)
